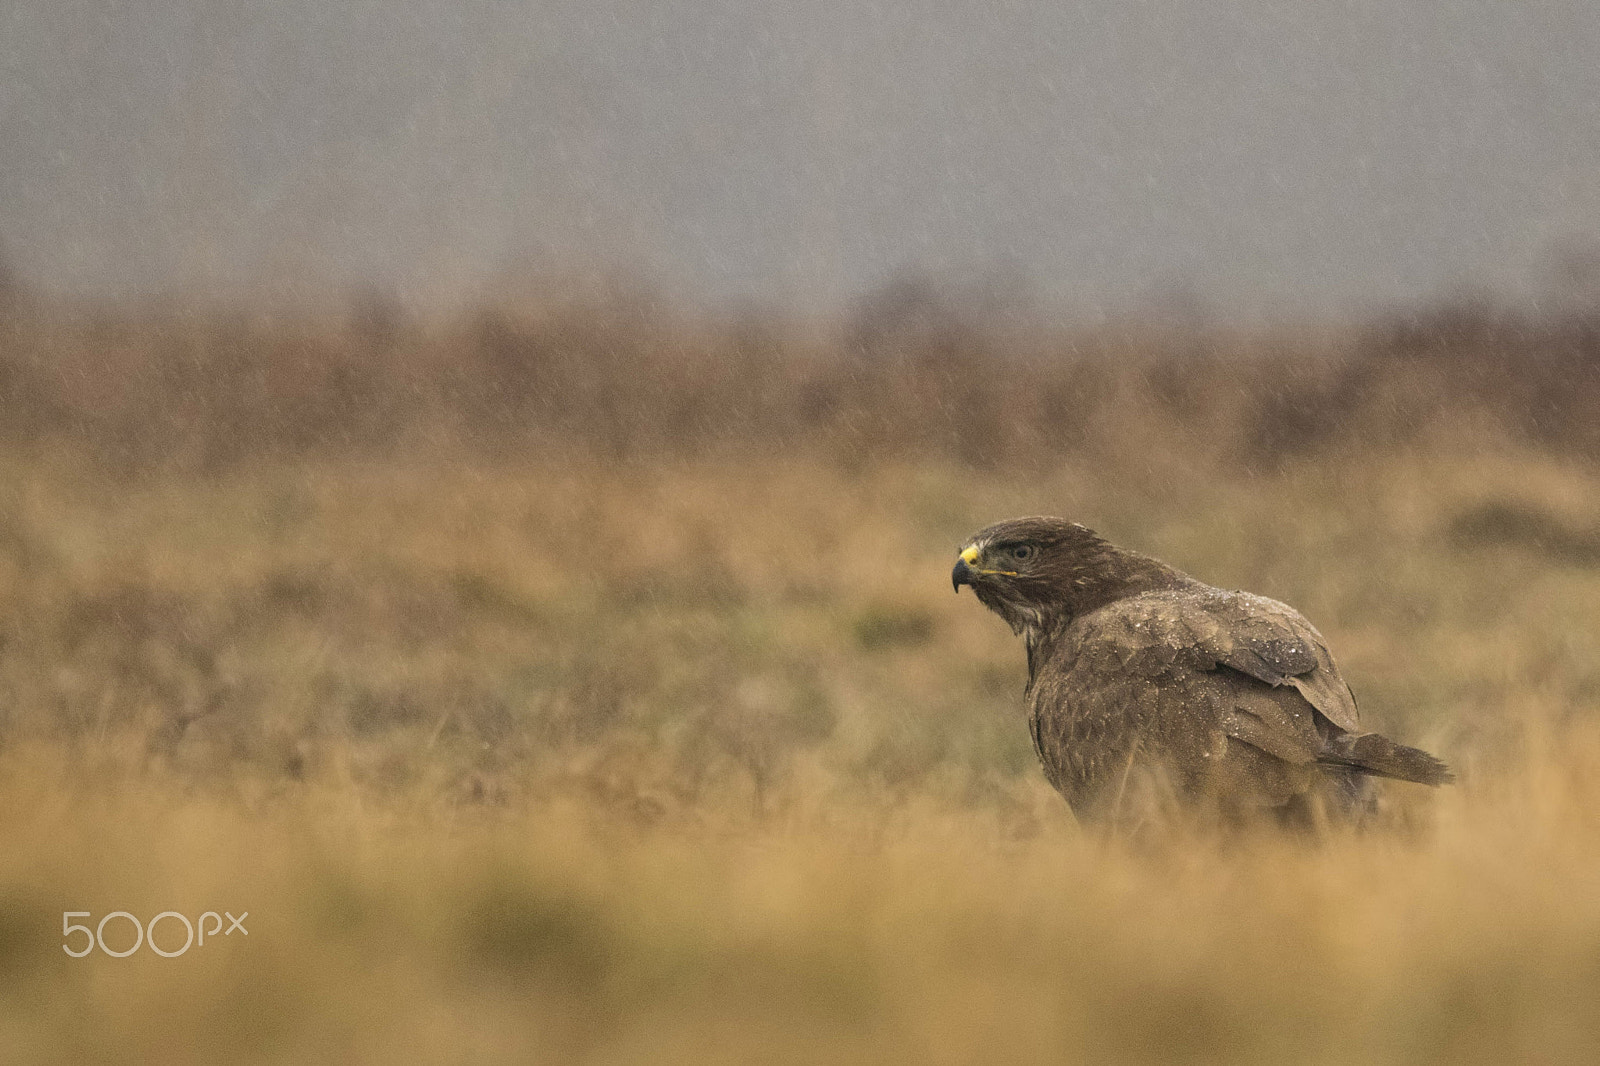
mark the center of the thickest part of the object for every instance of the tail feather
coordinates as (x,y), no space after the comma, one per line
(1371,753)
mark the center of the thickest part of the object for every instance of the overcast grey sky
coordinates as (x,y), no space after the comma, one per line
(1293,154)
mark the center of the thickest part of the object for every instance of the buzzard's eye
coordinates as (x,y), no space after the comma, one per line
(1022,552)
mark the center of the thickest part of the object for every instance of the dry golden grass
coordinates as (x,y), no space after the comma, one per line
(572,743)
(919,930)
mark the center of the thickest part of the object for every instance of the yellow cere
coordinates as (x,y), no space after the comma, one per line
(970,557)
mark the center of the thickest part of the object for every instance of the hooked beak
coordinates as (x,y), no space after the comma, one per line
(963,573)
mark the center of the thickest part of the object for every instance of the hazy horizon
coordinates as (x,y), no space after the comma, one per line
(1247,155)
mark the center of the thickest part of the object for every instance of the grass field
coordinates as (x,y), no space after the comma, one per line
(595,693)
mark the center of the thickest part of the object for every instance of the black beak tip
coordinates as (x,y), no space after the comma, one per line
(961,575)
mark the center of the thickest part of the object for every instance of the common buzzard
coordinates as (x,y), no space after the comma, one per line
(1146,685)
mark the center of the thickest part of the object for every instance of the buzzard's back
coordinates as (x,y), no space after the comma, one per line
(1191,692)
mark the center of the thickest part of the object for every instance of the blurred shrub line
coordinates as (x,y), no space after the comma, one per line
(615,374)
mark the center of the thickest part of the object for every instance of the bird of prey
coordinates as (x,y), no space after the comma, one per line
(1147,686)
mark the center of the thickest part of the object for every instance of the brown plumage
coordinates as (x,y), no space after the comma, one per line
(1148,686)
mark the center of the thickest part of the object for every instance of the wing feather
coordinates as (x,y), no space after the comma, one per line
(1272,642)
(1153,666)
(1278,721)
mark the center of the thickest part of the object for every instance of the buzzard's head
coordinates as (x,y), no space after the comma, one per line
(1039,572)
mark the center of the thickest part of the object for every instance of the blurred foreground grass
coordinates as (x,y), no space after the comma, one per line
(573,749)
(919,931)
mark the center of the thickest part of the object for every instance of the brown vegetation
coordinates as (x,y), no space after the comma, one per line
(613,375)
(580,681)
